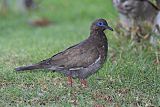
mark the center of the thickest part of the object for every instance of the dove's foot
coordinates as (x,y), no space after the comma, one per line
(70,81)
(83,83)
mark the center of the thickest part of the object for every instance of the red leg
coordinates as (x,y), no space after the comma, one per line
(83,82)
(70,81)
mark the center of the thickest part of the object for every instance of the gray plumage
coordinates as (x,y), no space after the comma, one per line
(139,14)
(136,10)
(158,3)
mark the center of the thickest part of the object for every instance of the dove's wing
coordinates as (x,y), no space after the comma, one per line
(77,56)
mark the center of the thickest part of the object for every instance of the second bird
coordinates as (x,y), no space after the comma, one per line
(80,60)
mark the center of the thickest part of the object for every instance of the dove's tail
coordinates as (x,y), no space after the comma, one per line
(30,67)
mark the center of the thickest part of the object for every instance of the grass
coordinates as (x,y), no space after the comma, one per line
(129,77)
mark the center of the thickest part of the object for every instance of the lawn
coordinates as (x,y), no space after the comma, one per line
(130,76)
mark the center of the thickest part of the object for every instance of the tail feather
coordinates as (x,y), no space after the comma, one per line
(30,67)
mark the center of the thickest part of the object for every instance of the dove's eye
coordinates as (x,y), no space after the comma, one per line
(100,24)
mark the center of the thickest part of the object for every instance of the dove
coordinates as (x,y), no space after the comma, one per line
(80,60)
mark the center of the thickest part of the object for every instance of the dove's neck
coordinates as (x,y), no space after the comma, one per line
(97,35)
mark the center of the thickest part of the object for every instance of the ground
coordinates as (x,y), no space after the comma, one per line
(130,76)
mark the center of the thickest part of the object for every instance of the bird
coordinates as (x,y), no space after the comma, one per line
(138,18)
(80,60)
(158,3)
(138,10)
(135,12)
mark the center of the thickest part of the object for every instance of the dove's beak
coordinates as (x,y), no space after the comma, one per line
(109,28)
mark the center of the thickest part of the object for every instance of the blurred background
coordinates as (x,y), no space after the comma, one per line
(28,26)
(46,24)
(32,30)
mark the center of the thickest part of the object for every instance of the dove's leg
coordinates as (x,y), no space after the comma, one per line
(83,82)
(70,81)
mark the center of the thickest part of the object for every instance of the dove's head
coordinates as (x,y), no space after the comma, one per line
(101,25)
